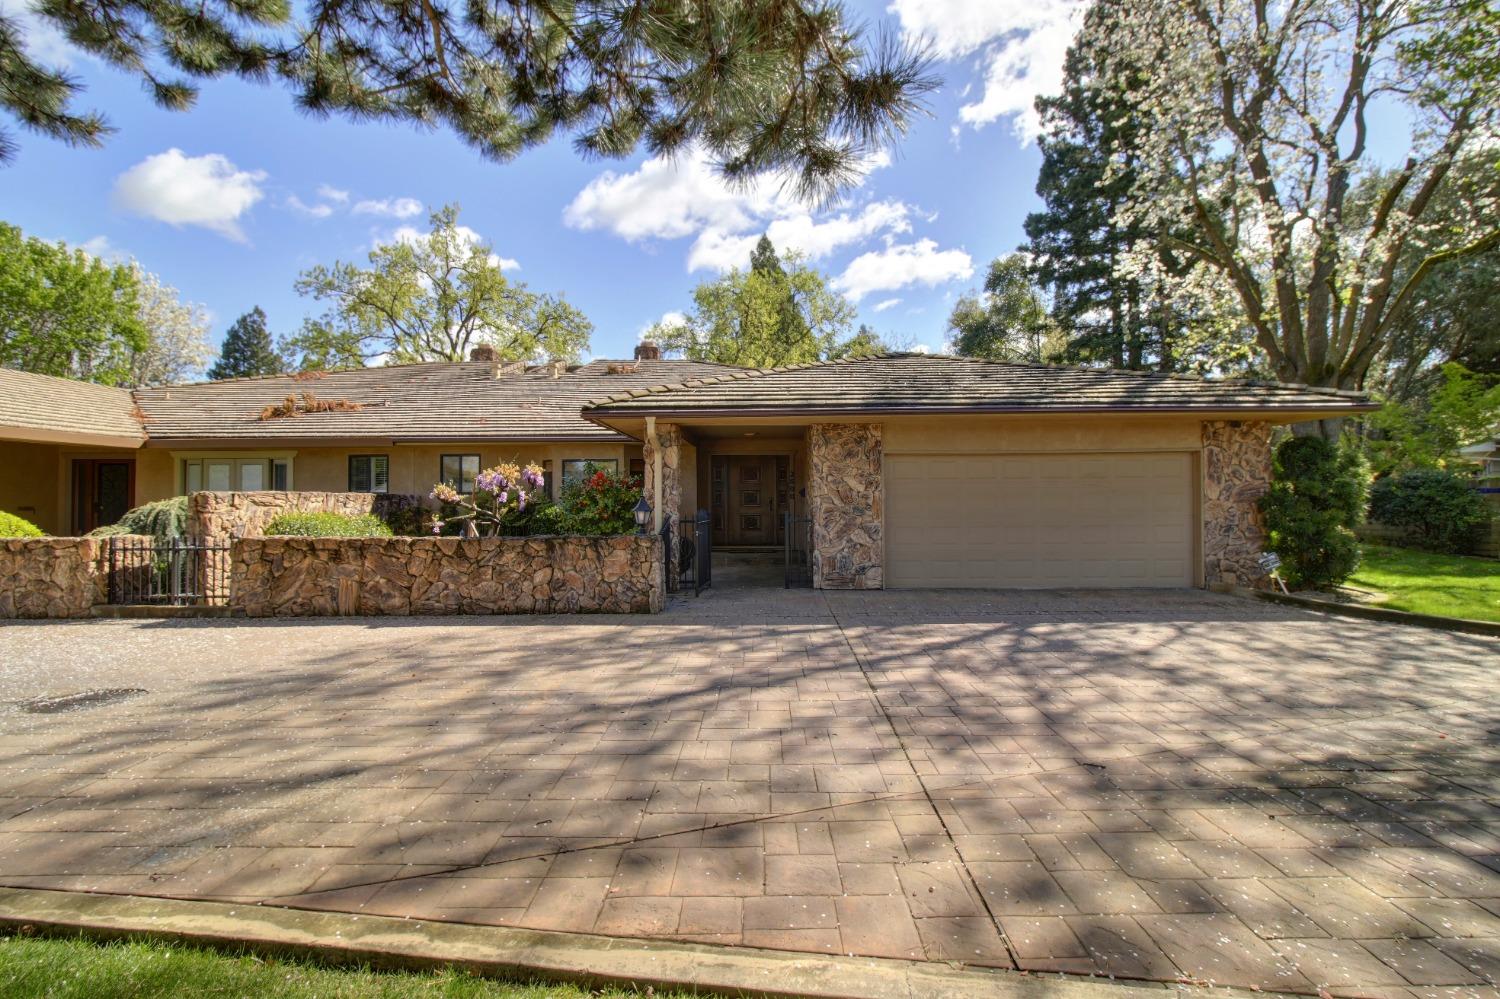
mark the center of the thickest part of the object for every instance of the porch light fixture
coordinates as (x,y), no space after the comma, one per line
(642,515)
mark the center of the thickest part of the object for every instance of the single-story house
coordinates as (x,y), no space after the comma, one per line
(924,471)
(74,456)
(901,470)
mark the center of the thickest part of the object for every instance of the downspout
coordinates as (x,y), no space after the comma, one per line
(655,472)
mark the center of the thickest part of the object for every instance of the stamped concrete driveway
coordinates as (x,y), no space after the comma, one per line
(1150,786)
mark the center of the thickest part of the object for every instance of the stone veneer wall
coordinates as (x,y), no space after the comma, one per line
(47,577)
(313,577)
(846,501)
(63,577)
(668,441)
(220,515)
(1236,474)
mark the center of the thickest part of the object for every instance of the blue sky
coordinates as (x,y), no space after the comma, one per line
(229,201)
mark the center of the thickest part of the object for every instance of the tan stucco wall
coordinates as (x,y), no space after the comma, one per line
(35,480)
(958,434)
(413,468)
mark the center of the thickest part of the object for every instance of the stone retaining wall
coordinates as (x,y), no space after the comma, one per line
(317,577)
(47,577)
(221,515)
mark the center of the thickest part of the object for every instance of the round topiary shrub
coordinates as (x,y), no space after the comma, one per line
(1438,509)
(328,525)
(1317,495)
(12,526)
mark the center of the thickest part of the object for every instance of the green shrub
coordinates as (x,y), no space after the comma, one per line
(328,525)
(602,503)
(1439,509)
(162,519)
(12,526)
(1317,495)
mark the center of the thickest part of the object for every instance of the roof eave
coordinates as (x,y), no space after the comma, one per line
(602,413)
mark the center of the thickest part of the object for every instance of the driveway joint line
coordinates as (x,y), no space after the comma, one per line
(859,661)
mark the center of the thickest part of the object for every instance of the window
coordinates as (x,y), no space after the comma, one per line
(236,474)
(369,473)
(459,471)
(575,470)
(638,468)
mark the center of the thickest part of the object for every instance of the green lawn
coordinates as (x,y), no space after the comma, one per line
(35,967)
(1445,585)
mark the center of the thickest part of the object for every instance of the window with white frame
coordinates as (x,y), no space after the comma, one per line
(231,474)
(369,473)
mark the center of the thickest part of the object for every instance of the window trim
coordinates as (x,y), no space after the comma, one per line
(563,479)
(459,485)
(271,459)
(370,458)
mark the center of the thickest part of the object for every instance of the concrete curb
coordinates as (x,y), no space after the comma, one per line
(1455,624)
(518,954)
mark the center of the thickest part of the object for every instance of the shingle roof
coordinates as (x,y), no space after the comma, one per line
(62,405)
(438,401)
(889,383)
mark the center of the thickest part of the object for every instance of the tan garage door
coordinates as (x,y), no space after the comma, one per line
(1039,520)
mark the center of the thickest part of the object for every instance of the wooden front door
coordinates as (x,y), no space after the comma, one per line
(103,489)
(745,498)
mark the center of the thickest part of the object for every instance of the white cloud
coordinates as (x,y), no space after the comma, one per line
(668,319)
(330,193)
(920,348)
(318,211)
(889,303)
(469,237)
(1020,45)
(671,198)
(178,189)
(900,265)
(396,208)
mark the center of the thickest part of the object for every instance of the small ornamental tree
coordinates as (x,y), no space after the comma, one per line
(1440,509)
(1317,495)
(499,493)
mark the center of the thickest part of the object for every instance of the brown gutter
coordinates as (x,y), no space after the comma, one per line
(595,414)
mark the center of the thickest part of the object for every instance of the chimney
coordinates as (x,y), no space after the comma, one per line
(482,352)
(647,350)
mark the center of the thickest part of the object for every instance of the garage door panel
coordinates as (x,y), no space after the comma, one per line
(1039,520)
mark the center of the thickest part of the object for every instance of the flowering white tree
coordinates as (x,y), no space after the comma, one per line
(1259,145)
(177,348)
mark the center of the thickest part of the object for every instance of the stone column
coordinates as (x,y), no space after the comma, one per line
(666,441)
(846,501)
(1236,474)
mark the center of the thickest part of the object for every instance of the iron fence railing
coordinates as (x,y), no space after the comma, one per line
(797,543)
(179,572)
(687,553)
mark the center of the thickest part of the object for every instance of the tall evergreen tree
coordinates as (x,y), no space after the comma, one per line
(790,86)
(247,350)
(1076,243)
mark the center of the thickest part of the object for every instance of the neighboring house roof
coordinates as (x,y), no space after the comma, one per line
(439,401)
(925,383)
(42,407)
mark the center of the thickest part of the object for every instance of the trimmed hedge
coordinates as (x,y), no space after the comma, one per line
(12,526)
(327,525)
(1317,494)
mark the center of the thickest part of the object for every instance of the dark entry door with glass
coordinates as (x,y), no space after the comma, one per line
(745,489)
(102,491)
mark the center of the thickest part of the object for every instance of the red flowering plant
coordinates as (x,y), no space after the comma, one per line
(499,493)
(603,502)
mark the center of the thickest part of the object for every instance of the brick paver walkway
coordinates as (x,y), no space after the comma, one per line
(1154,786)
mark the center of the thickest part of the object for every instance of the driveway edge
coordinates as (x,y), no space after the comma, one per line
(520,954)
(1460,625)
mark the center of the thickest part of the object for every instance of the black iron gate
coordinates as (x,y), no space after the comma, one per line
(179,572)
(687,552)
(797,532)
